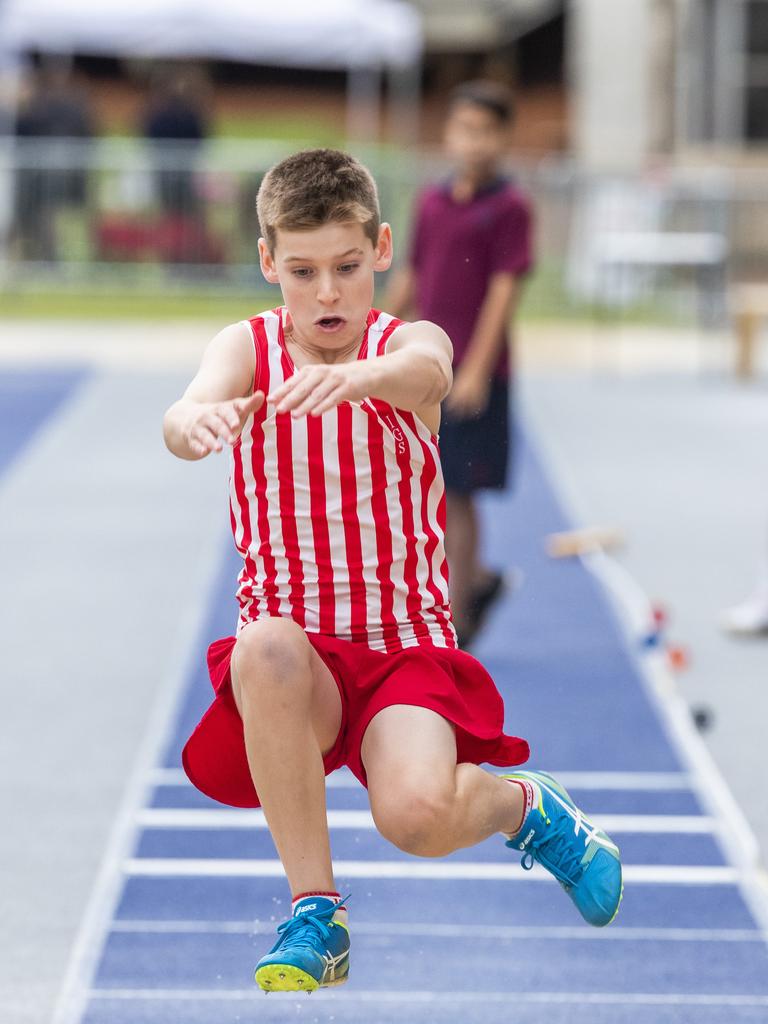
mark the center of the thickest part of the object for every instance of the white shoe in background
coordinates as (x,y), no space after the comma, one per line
(750,618)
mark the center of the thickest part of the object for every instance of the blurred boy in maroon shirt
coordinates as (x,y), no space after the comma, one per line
(470,248)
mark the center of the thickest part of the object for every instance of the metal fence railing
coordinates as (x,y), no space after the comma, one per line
(674,238)
(124,210)
(127,212)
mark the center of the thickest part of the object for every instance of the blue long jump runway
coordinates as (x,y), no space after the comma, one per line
(470,938)
(28,398)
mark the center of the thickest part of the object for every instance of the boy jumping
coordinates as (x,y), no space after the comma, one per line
(345,653)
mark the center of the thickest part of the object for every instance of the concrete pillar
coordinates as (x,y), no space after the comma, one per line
(610,76)
(664,101)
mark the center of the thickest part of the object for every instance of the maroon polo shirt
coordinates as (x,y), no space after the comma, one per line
(456,247)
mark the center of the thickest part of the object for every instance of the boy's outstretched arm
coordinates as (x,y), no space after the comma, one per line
(218,401)
(415,374)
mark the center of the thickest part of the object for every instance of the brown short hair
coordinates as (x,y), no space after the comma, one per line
(494,97)
(315,187)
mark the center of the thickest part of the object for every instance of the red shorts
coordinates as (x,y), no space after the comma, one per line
(449,682)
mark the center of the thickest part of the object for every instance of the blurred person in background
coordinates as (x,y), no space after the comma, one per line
(470,250)
(175,124)
(54,111)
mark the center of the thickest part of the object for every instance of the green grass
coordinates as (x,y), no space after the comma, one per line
(544,299)
(105,305)
(282,127)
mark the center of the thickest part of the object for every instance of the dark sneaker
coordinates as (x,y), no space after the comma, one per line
(483,599)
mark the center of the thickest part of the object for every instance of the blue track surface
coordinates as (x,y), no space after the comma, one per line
(27,399)
(184,937)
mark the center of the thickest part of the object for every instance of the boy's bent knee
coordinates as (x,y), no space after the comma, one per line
(272,654)
(417,822)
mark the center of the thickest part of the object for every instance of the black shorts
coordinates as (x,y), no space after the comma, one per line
(475,451)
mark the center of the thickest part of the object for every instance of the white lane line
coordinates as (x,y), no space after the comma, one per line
(737,838)
(631,781)
(642,781)
(421,997)
(168,818)
(102,904)
(455,931)
(666,874)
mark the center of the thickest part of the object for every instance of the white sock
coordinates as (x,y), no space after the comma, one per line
(530,799)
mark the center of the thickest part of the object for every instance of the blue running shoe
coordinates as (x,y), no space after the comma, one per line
(580,856)
(312,950)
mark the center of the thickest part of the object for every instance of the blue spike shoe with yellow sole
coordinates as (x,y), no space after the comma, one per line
(563,840)
(312,950)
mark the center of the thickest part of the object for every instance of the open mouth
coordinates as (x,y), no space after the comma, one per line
(330,323)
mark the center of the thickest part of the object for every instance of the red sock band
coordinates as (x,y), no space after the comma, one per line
(335,896)
(529,799)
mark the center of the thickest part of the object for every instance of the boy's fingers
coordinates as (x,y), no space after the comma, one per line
(206,437)
(294,390)
(255,402)
(219,426)
(315,397)
(302,391)
(297,398)
(335,398)
(280,392)
(302,410)
(229,416)
(245,406)
(288,385)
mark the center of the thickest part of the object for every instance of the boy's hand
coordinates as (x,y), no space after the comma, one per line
(469,395)
(315,389)
(212,423)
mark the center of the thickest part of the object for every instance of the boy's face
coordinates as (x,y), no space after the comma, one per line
(326,277)
(475,138)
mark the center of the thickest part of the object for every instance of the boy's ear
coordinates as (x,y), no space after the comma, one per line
(267,261)
(383,250)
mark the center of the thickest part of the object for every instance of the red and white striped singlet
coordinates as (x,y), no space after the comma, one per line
(340,518)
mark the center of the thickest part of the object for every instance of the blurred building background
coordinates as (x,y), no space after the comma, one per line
(636,120)
(133,139)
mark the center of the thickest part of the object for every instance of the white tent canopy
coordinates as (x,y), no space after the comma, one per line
(365,38)
(362,37)
(339,34)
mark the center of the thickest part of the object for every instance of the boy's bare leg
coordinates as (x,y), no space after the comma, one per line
(425,803)
(462,542)
(421,799)
(291,711)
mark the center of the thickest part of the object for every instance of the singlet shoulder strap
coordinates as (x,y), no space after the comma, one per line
(258,326)
(381,327)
